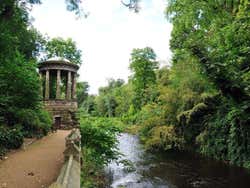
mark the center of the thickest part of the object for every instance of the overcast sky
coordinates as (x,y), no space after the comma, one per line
(108,35)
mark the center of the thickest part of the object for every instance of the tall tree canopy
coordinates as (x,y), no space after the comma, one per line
(19,81)
(143,65)
(217,34)
(82,92)
(63,48)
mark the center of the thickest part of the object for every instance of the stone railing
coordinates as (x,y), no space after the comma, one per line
(69,176)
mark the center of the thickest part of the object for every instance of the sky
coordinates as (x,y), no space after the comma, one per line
(108,35)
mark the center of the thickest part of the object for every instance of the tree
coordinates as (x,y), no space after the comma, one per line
(58,47)
(132,5)
(216,35)
(82,92)
(19,80)
(89,105)
(20,98)
(143,65)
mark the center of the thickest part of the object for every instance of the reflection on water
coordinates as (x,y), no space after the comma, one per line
(170,170)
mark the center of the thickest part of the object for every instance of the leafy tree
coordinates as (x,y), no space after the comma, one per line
(106,102)
(143,65)
(81,92)
(89,105)
(19,82)
(215,34)
(123,97)
(99,140)
(58,47)
(21,113)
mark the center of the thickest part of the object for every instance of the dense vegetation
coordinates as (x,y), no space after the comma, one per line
(215,34)
(99,147)
(201,102)
(21,111)
(58,47)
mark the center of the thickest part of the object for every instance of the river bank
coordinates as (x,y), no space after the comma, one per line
(171,169)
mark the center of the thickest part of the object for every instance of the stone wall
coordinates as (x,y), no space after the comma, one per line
(70,173)
(64,109)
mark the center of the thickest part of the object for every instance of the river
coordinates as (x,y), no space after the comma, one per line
(141,169)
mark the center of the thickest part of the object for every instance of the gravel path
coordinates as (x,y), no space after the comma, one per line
(35,167)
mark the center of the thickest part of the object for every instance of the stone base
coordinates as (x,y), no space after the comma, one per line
(63,113)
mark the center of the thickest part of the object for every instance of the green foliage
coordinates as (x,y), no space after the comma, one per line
(89,105)
(113,100)
(58,47)
(153,129)
(81,92)
(34,123)
(99,147)
(215,35)
(10,138)
(227,137)
(45,121)
(150,116)
(20,86)
(99,139)
(15,34)
(191,121)
(19,81)
(163,138)
(3,151)
(143,65)
(220,45)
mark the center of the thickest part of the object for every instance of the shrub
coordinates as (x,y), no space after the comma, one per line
(149,117)
(45,121)
(29,121)
(3,151)
(34,122)
(99,139)
(163,137)
(11,138)
(99,147)
(226,136)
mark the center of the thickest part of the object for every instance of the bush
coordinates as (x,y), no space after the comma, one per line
(45,121)
(29,121)
(10,138)
(226,136)
(163,137)
(149,117)
(34,122)
(99,147)
(99,139)
(3,151)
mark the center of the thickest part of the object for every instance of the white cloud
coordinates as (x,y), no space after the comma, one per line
(108,35)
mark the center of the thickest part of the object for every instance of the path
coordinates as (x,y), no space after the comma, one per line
(35,167)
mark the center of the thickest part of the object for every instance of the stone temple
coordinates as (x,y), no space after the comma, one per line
(58,77)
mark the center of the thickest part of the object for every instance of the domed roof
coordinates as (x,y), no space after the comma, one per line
(56,58)
(58,63)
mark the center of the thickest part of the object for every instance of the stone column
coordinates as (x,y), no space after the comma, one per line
(47,85)
(41,81)
(74,86)
(68,94)
(40,75)
(58,85)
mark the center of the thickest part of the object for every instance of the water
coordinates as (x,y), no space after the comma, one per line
(170,170)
